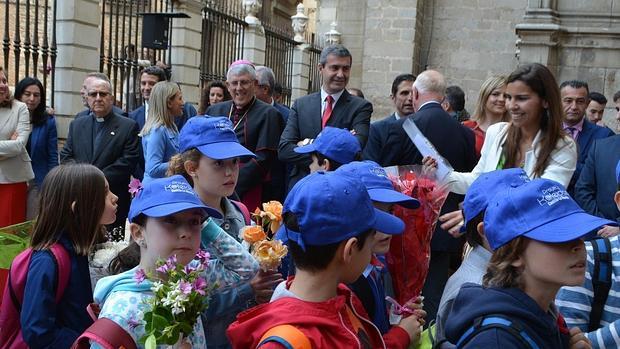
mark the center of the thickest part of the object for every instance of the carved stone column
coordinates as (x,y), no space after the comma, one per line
(332,37)
(299,22)
(251,8)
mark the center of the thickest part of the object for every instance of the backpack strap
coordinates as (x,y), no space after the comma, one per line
(497,322)
(63,262)
(107,333)
(244,211)
(601,280)
(288,336)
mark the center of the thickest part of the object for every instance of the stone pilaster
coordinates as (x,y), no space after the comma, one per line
(254,44)
(77,40)
(300,72)
(185,54)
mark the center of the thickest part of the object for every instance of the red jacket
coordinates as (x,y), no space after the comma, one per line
(326,324)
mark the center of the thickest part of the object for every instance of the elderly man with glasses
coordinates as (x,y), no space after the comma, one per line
(258,126)
(106,140)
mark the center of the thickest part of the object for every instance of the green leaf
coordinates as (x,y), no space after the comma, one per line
(151,342)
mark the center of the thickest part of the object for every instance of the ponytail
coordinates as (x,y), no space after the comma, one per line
(176,164)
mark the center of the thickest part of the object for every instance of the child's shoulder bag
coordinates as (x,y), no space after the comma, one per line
(104,332)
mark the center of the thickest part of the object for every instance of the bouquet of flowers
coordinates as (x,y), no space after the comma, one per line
(267,250)
(409,254)
(179,297)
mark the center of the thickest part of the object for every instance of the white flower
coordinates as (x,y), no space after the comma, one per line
(157,286)
(105,252)
(176,300)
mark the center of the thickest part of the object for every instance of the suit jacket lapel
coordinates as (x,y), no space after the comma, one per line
(35,133)
(584,138)
(108,133)
(83,137)
(314,114)
(339,110)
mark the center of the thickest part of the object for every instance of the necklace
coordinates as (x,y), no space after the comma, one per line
(230,114)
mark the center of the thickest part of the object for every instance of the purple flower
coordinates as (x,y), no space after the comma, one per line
(199,285)
(163,269)
(185,287)
(133,323)
(172,261)
(139,276)
(189,268)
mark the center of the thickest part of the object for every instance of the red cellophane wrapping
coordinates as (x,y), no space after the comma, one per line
(409,253)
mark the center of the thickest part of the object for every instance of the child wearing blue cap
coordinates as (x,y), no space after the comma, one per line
(475,264)
(329,223)
(535,231)
(332,148)
(167,218)
(593,306)
(370,287)
(209,160)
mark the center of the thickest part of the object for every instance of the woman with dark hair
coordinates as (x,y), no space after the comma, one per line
(533,139)
(42,144)
(213,93)
(15,167)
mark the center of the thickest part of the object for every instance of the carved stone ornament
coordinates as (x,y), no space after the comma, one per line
(299,22)
(251,8)
(333,36)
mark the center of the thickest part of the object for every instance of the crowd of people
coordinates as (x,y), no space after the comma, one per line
(536,173)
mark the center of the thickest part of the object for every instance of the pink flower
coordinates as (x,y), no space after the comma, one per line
(202,256)
(185,287)
(135,187)
(139,276)
(200,285)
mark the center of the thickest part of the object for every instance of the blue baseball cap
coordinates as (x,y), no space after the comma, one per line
(331,207)
(485,187)
(541,210)
(334,143)
(165,196)
(377,183)
(212,136)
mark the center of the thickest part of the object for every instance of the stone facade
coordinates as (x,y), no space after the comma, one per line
(469,40)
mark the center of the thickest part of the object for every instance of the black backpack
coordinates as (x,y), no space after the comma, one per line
(488,322)
(601,280)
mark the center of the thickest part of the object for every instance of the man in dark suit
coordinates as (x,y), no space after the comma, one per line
(257,125)
(377,149)
(148,78)
(332,106)
(597,184)
(107,141)
(574,94)
(454,142)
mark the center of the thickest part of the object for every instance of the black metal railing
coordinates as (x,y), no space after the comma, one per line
(314,77)
(121,55)
(223,30)
(29,41)
(279,49)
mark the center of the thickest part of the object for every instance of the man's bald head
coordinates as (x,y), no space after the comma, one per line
(430,85)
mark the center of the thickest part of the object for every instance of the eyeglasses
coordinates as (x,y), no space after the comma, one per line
(242,83)
(101,94)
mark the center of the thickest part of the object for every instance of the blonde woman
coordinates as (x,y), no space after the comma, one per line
(490,109)
(160,137)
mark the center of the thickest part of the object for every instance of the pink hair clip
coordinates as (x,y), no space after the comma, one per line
(135,186)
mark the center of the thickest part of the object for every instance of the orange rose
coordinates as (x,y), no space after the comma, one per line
(273,211)
(253,233)
(269,253)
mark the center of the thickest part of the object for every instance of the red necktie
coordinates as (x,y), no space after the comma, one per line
(328,110)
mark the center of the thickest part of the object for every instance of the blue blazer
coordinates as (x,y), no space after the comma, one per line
(597,184)
(159,146)
(43,149)
(589,133)
(284,110)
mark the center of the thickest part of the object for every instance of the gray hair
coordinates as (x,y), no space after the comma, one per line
(430,81)
(265,77)
(241,69)
(337,50)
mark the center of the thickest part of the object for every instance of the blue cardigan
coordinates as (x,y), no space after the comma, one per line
(43,149)
(159,145)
